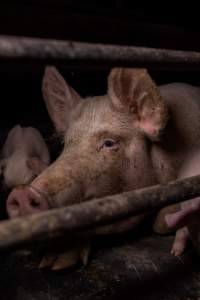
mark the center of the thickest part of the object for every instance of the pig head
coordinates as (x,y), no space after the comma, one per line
(23,157)
(107,140)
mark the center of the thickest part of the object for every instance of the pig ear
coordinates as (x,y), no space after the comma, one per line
(36,165)
(133,91)
(59,97)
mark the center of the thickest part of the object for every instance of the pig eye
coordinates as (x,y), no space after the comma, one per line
(109,143)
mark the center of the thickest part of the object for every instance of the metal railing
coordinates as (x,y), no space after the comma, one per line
(65,52)
(97,212)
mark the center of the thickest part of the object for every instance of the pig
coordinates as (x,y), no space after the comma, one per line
(24,155)
(137,135)
(187,217)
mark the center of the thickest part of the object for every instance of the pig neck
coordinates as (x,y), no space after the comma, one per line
(168,154)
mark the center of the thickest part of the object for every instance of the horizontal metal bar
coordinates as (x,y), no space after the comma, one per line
(96,212)
(57,51)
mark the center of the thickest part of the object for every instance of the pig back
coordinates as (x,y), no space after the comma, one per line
(183,101)
(181,136)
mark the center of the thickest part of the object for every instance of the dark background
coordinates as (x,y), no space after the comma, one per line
(161,25)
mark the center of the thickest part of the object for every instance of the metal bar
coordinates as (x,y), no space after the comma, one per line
(96,212)
(55,51)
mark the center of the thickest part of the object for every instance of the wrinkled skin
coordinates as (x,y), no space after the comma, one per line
(132,137)
(188,214)
(24,155)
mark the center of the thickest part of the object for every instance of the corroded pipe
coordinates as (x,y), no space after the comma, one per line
(57,51)
(96,212)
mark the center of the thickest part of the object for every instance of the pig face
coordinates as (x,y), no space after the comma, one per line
(107,139)
(24,156)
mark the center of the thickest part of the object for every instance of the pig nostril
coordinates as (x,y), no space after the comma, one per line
(15,203)
(34,203)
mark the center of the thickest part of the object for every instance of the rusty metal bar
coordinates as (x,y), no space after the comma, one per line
(96,212)
(57,51)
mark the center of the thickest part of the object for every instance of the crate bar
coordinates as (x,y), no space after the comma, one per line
(55,51)
(96,212)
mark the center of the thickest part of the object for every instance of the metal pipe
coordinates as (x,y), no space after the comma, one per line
(96,212)
(55,51)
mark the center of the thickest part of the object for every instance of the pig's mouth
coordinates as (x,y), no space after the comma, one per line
(26,200)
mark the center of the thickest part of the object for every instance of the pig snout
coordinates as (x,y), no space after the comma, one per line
(25,200)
